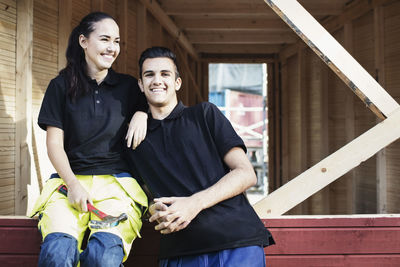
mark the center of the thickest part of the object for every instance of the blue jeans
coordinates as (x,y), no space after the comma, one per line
(103,249)
(238,257)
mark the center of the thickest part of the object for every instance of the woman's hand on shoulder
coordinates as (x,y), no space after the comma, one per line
(137,129)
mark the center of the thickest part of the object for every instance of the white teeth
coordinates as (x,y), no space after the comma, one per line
(157,90)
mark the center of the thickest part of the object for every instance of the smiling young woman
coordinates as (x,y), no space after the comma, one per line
(85,111)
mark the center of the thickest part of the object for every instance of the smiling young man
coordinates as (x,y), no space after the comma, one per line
(195,166)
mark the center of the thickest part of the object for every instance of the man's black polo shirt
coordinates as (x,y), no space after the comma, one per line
(95,124)
(183,154)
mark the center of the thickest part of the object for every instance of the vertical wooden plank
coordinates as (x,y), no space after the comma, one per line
(64,29)
(122,20)
(205,80)
(272,144)
(301,86)
(278,123)
(324,121)
(141,33)
(97,5)
(285,123)
(350,125)
(23,138)
(381,173)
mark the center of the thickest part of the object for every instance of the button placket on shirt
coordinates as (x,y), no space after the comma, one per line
(97,100)
(165,135)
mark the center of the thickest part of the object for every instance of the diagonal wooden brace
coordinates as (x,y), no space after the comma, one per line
(330,168)
(335,56)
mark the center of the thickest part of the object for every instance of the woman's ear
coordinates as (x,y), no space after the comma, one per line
(82,41)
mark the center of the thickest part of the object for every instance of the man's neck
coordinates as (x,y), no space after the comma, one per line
(160,113)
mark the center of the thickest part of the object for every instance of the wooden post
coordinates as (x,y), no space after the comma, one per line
(303,153)
(23,96)
(285,125)
(381,173)
(64,30)
(330,168)
(351,188)
(335,56)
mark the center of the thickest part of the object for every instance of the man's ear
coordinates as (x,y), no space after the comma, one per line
(178,84)
(82,41)
(140,83)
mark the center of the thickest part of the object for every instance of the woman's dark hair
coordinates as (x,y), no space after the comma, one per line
(155,52)
(76,70)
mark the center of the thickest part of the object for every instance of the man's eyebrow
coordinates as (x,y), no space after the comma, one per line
(148,71)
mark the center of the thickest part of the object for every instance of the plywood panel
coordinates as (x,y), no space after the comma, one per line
(8,20)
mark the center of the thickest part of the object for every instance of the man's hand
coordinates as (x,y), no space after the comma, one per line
(174,213)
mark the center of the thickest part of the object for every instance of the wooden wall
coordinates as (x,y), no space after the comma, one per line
(44,29)
(319,114)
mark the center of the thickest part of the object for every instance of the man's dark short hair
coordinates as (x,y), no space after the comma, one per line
(156,52)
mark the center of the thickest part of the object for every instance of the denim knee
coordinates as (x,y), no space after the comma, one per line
(59,249)
(103,250)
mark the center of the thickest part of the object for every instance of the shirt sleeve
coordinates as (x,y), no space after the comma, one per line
(221,129)
(53,105)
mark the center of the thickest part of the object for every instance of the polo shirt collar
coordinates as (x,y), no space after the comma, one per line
(110,79)
(176,113)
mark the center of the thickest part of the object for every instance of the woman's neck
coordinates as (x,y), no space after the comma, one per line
(99,76)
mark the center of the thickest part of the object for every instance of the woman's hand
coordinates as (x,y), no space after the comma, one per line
(137,129)
(78,196)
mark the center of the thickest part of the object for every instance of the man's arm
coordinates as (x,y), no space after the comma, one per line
(182,210)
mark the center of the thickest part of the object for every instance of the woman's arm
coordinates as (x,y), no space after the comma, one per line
(77,195)
(137,129)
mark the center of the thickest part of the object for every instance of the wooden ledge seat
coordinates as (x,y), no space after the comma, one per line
(364,240)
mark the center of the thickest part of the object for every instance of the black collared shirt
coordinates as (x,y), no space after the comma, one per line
(95,124)
(183,154)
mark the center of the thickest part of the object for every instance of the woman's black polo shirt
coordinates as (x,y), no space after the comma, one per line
(183,154)
(95,124)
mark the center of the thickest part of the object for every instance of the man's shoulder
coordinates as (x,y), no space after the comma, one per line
(202,107)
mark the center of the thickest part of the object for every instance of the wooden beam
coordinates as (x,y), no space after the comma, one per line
(23,96)
(330,168)
(237,48)
(240,7)
(238,58)
(335,56)
(240,37)
(155,9)
(200,22)
(64,29)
